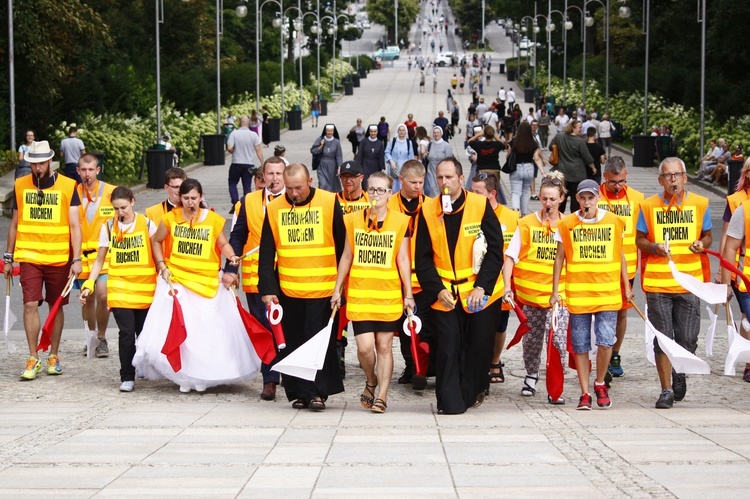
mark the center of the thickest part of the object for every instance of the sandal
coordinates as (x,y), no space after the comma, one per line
(299,404)
(317,404)
(529,390)
(480,399)
(379,406)
(366,400)
(498,377)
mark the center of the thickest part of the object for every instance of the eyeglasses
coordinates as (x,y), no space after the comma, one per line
(377,190)
(616,183)
(671,176)
(173,186)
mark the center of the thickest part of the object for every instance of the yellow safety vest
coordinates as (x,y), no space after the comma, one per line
(593,261)
(683,223)
(305,249)
(532,274)
(374,290)
(194,258)
(132,273)
(43,236)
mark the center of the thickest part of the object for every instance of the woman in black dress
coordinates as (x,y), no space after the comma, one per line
(265,131)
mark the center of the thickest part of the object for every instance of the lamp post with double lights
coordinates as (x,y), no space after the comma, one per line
(332,31)
(550,28)
(583,40)
(524,29)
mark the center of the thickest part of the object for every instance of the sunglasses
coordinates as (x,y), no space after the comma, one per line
(483,176)
(552,180)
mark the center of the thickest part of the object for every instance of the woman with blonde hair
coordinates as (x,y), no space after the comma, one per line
(530,260)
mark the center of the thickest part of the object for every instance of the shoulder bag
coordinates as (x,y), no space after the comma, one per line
(554,158)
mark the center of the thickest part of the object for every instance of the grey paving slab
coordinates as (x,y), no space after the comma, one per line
(92,440)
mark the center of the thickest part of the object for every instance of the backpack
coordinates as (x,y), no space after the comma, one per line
(414,147)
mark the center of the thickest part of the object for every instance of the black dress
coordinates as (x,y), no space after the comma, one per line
(266,138)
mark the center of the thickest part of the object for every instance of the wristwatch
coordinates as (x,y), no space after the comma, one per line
(7,257)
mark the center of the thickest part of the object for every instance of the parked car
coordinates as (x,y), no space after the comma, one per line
(444,59)
(526,44)
(365,24)
(390,53)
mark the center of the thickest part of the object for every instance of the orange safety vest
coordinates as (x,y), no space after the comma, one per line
(43,236)
(532,274)
(156,212)
(593,260)
(90,230)
(394,204)
(684,224)
(736,199)
(627,206)
(746,264)
(255,212)
(351,206)
(305,249)
(132,273)
(508,222)
(374,290)
(194,258)
(462,277)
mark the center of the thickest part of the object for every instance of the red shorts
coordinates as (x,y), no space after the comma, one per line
(53,278)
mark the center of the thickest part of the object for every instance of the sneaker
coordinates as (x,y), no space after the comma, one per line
(54,366)
(127,386)
(33,367)
(666,399)
(102,350)
(602,396)
(679,386)
(584,403)
(615,368)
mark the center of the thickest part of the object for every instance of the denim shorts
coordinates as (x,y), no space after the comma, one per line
(605,325)
(743,299)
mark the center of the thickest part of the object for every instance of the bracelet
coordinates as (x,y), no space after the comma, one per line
(74,260)
(8,257)
(160,261)
(409,297)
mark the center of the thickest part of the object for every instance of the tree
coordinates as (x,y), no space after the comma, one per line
(381,12)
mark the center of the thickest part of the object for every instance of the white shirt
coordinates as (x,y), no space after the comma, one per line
(561,122)
(501,94)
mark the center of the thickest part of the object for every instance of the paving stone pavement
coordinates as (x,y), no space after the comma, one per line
(77,436)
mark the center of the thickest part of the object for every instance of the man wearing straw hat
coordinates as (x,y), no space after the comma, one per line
(44,230)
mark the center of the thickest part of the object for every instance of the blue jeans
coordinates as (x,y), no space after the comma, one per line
(239,172)
(520,183)
(605,324)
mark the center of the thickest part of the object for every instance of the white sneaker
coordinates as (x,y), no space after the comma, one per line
(127,386)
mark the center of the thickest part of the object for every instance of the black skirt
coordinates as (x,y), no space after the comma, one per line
(361,327)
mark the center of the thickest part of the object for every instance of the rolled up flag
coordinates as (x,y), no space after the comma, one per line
(176,334)
(45,340)
(260,337)
(275,313)
(523,327)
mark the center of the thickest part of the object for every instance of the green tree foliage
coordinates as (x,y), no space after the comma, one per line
(381,12)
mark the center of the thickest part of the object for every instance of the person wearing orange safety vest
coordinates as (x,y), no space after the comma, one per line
(352,199)
(173,178)
(486,184)
(301,242)
(409,201)
(377,264)
(44,231)
(589,246)
(616,196)
(529,262)
(737,242)
(95,209)
(125,248)
(684,218)
(458,261)
(213,344)
(245,237)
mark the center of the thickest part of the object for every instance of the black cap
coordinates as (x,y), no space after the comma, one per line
(351,167)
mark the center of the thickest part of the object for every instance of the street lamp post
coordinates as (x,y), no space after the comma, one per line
(395,22)
(219,32)
(646,16)
(11,78)
(159,20)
